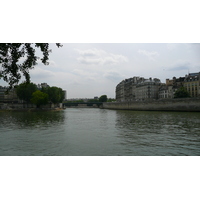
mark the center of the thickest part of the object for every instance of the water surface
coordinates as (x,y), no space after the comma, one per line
(99,132)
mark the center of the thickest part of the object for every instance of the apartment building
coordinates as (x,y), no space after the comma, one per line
(147,89)
(192,84)
(8,96)
(120,92)
(167,91)
(137,88)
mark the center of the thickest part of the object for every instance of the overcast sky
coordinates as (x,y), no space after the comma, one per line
(104,43)
(87,70)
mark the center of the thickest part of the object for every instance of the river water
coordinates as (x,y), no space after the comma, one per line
(99,132)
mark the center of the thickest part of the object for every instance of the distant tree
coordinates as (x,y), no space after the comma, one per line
(103,98)
(181,93)
(17,58)
(93,100)
(111,100)
(39,98)
(56,95)
(25,90)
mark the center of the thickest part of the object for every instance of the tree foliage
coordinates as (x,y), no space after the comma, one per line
(103,98)
(39,98)
(92,100)
(19,58)
(56,94)
(25,90)
(111,100)
(181,93)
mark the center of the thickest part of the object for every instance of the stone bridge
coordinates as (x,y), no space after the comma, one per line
(83,104)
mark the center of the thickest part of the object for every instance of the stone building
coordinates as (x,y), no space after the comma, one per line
(8,96)
(192,84)
(167,91)
(120,92)
(137,88)
(147,89)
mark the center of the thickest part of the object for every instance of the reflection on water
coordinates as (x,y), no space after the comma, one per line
(30,133)
(159,133)
(30,119)
(82,131)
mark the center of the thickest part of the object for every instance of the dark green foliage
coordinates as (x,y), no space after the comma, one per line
(111,100)
(19,58)
(181,93)
(39,98)
(25,90)
(92,100)
(56,95)
(103,98)
(75,101)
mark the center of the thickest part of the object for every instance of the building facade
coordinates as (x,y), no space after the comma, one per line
(192,84)
(167,91)
(137,88)
(8,96)
(147,89)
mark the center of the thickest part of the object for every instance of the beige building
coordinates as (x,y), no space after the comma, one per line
(192,84)
(167,91)
(137,88)
(147,89)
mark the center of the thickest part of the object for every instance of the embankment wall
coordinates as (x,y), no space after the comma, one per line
(21,106)
(157,105)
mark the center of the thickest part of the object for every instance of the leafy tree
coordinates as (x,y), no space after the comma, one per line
(25,90)
(181,93)
(17,58)
(56,95)
(93,100)
(111,100)
(39,98)
(103,98)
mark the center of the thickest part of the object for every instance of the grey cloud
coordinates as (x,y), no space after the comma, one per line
(113,76)
(88,52)
(150,54)
(180,65)
(179,68)
(42,74)
(85,74)
(99,57)
(86,60)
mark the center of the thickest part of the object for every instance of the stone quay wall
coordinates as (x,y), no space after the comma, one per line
(24,106)
(186,104)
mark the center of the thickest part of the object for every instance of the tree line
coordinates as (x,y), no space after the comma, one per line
(102,98)
(30,93)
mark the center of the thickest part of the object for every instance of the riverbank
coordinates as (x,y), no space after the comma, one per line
(186,104)
(32,110)
(29,107)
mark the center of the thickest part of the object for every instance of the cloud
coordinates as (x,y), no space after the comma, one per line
(84,73)
(113,76)
(38,73)
(172,46)
(99,57)
(150,54)
(180,65)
